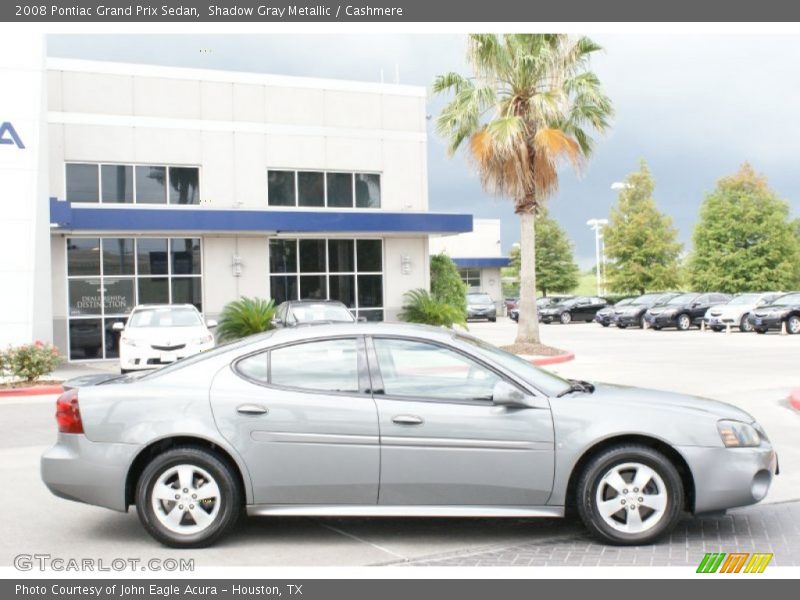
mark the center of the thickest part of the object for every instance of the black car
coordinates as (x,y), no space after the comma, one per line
(784,309)
(298,312)
(581,308)
(684,310)
(481,306)
(541,303)
(632,315)
(605,316)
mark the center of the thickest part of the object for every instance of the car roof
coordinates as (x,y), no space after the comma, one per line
(149,306)
(326,329)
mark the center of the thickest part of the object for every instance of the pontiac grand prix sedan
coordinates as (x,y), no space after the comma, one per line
(395,420)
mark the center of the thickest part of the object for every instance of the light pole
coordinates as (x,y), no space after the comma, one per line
(597,225)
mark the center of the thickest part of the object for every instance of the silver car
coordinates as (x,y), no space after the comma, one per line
(376,419)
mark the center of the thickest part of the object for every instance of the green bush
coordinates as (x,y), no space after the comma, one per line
(422,307)
(244,317)
(29,362)
(446,284)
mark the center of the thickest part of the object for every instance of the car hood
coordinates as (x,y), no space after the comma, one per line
(165,335)
(773,308)
(620,394)
(729,310)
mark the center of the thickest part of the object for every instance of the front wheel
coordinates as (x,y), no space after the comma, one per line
(566,318)
(684,322)
(630,495)
(188,498)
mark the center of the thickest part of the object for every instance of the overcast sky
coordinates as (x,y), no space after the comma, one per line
(694,107)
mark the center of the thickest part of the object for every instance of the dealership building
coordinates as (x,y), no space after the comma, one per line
(139,184)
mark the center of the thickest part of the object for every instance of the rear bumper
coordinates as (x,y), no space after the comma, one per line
(730,477)
(90,472)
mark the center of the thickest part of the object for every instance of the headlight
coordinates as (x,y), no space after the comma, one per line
(203,340)
(736,434)
(669,311)
(128,341)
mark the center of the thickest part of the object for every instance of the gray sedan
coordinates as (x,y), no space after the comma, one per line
(392,420)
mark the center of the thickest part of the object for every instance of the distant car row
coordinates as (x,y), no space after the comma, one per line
(756,311)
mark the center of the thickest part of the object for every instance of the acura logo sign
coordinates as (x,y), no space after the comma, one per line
(9,135)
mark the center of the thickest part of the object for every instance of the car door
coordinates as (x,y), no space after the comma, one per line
(582,310)
(443,441)
(303,419)
(699,306)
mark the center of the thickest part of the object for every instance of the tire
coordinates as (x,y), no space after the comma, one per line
(656,327)
(605,324)
(566,317)
(744,324)
(683,322)
(621,326)
(793,325)
(224,509)
(717,329)
(760,330)
(655,517)
(124,371)
(492,319)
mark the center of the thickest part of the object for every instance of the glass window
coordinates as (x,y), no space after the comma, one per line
(153,290)
(313,287)
(283,288)
(117,182)
(422,370)
(343,289)
(186,290)
(112,337)
(471,277)
(280,188)
(254,367)
(117,296)
(370,291)
(82,183)
(370,256)
(185,256)
(340,190)
(310,188)
(329,365)
(184,185)
(85,338)
(118,256)
(151,185)
(83,256)
(341,256)
(371,315)
(85,297)
(151,256)
(368,191)
(312,256)
(283,256)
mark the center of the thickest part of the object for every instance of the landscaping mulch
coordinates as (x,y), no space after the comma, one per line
(12,385)
(533,350)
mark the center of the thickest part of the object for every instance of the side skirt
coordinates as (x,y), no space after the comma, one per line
(369,510)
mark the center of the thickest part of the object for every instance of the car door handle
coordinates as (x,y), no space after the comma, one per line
(252,409)
(407,420)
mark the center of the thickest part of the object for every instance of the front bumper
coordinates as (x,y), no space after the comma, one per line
(661,320)
(604,319)
(481,313)
(730,477)
(84,471)
(547,317)
(134,358)
(769,322)
(627,320)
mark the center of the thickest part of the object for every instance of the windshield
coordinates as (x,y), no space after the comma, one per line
(787,300)
(624,302)
(544,381)
(646,299)
(305,313)
(479,298)
(682,299)
(166,316)
(745,299)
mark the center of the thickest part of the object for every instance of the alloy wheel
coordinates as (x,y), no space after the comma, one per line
(186,499)
(793,324)
(684,322)
(745,324)
(631,498)
(566,317)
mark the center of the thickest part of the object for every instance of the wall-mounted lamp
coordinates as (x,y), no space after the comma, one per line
(405,264)
(237,263)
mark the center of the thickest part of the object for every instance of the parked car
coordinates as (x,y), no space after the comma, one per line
(581,308)
(160,334)
(783,309)
(481,306)
(605,316)
(395,420)
(683,311)
(736,312)
(511,304)
(298,312)
(633,314)
(541,303)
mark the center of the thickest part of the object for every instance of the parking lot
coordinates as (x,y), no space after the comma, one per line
(752,371)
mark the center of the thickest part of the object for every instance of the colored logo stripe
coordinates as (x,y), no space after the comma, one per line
(758,562)
(721,562)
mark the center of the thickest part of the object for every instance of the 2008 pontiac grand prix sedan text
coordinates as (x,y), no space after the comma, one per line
(395,420)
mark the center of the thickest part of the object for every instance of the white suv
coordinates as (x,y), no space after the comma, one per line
(160,334)
(735,312)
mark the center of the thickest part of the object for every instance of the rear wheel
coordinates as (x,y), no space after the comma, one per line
(629,495)
(744,324)
(188,498)
(684,322)
(793,325)
(566,317)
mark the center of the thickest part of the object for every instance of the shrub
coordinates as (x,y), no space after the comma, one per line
(422,307)
(244,317)
(446,283)
(31,361)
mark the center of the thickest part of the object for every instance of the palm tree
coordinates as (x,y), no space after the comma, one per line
(531,103)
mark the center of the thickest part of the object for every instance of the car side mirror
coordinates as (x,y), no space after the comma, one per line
(211,323)
(118,326)
(505,394)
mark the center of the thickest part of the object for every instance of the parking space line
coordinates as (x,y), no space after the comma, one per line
(362,540)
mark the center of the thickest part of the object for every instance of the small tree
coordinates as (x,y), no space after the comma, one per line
(744,240)
(244,317)
(641,242)
(446,283)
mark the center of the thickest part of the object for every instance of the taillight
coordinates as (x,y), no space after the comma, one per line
(68,413)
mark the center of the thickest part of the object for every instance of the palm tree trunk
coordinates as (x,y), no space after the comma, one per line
(528,328)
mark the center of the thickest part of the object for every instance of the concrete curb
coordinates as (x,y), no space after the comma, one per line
(31,391)
(554,360)
(794,398)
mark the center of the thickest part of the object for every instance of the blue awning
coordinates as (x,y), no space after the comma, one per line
(63,215)
(482,262)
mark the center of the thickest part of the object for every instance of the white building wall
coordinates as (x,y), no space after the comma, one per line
(483,241)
